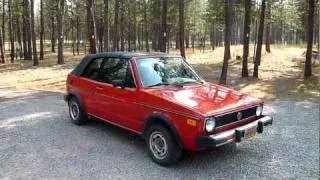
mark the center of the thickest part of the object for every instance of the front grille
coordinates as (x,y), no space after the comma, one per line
(232,117)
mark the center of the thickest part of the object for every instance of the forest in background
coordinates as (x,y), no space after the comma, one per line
(31,29)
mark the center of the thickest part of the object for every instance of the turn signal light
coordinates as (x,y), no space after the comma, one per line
(192,122)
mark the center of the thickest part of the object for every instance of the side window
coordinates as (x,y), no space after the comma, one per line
(117,69)
(92,70)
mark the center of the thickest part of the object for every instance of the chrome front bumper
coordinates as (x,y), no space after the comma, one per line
(234,135)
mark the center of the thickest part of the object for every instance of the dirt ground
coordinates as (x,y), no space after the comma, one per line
(280,73)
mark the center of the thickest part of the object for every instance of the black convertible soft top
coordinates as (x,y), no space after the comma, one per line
(126,55)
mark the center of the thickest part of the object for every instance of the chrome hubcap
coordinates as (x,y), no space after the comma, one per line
(158,145)
(74,110)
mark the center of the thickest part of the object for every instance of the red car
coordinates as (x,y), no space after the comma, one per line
(161,98)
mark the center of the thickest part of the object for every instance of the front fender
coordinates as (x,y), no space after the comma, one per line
(159,118)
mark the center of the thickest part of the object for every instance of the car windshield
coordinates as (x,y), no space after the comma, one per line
(166,71)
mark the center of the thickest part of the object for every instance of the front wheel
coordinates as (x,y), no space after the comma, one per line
(162,147)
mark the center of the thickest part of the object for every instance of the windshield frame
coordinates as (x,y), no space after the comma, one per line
(199,78)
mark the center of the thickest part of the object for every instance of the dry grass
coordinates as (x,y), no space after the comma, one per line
(48,76)
(281,73)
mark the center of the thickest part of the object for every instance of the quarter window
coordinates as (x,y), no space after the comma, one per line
(92,70)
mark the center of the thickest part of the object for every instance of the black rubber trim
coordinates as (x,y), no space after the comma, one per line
(239,135)
(206,142)
(260,127)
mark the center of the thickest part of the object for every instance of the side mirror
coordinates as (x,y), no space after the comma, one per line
(118,83)
(234,83)
(157,67)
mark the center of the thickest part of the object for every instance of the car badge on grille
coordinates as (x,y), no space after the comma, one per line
(239,115)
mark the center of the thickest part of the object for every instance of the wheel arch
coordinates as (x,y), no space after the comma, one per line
(77,96)
(158,118)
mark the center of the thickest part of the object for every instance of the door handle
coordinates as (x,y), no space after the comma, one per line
(99,88)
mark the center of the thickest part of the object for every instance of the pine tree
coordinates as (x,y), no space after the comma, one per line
(246,37)
(257,60)
(228,26)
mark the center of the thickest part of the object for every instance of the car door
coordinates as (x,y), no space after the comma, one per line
(87,85)
(117,104)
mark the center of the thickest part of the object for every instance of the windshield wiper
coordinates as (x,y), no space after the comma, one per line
(180,84)
(159,84)
(188,82)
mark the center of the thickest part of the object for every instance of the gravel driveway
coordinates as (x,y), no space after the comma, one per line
(37,141)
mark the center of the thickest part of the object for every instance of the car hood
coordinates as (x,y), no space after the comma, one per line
(207,99)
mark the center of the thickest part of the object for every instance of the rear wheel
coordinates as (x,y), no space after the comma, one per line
(76,113)
(162,147)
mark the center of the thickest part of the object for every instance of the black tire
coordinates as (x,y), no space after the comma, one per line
(171,154)
(76,113)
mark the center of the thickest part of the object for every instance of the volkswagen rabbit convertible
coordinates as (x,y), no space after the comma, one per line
(161,98)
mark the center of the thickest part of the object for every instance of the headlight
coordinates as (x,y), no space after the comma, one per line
(259,110)
(210,124)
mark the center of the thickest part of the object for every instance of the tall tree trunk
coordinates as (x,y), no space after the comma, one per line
(134,26)
(77,36)
(41,30)
(53,35)
(100,29)
(115,25)
(139,37)
(163,32)
(146,25)
(268,18)
(192,42)
(106,25)
(257,60)
(142,36)
(193,26)
(187,37)
(156,8)
(29,34)
(228,27)
(19,36)
(3,24)
(91,28)
(34,36)
(2,60)
(319,31)
(121,25)
(177,40)
(60,14)
(73,38)
(78,32)
(246,37)
(212,37)
(308,64)
(129,26)
(181,28)
(11,34)
(204,41)
(26,31)
(73,24)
